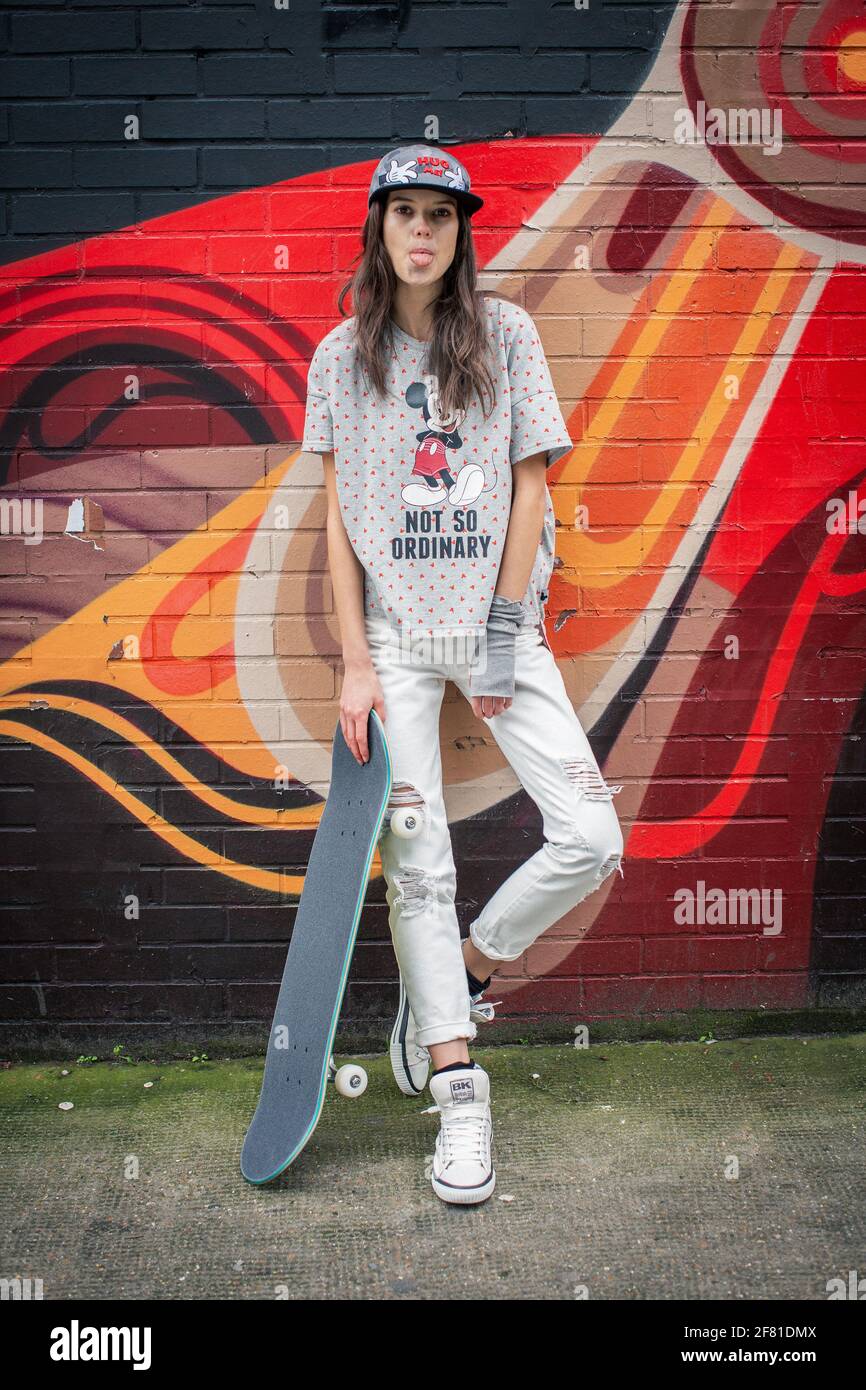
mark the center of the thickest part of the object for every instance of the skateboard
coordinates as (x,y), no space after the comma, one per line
(299,1061)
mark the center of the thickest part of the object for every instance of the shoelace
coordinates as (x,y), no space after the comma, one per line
(465,1137)
(481,1011)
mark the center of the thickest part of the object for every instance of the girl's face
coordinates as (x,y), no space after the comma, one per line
(420,234)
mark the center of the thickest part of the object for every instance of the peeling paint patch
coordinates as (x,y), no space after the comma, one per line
(563,616)
(40,998)
(85,522)
(587,778)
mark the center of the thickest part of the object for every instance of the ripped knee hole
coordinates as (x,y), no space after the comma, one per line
(607,867)
(587,778)
(415,889)
(404,794)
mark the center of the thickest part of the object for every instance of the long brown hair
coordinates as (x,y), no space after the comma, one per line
(459,342)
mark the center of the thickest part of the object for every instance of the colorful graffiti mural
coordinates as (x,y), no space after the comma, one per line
(171,667)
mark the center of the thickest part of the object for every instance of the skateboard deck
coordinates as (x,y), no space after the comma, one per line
(319,956)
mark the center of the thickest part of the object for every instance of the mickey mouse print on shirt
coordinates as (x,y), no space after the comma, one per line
(440,436)
(426,500)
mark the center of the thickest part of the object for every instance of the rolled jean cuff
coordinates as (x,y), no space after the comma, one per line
(445,1032)
(490,952)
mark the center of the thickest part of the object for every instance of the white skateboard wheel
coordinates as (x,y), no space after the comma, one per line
(351,1080)
(407,822)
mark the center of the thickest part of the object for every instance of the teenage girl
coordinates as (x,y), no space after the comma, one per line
(434,412)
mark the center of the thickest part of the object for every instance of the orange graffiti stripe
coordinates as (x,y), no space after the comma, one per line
(290,818)
(618,568)
(184,844)
(81,645)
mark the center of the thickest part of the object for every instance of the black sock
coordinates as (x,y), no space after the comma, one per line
(453,1066)
(477,986)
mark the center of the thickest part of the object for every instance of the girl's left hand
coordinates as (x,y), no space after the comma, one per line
(486,706)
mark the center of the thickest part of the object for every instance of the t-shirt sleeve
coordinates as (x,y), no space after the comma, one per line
(318,425)
(537,423)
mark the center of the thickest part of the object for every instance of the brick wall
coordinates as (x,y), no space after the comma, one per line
(170,653)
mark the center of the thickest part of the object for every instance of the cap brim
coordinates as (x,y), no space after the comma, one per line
(470,201)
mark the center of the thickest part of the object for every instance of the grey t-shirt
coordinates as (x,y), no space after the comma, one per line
(426,500)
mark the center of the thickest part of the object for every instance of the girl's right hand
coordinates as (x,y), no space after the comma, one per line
(361,692)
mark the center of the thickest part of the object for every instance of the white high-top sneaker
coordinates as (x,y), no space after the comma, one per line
(410,1062)
(462,1166)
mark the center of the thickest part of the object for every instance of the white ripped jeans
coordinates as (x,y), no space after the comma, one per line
(542,739)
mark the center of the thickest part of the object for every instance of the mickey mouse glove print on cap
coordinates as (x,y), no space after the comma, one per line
(495,675)
(424,166)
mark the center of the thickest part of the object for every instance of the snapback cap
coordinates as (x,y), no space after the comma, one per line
(423,166)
